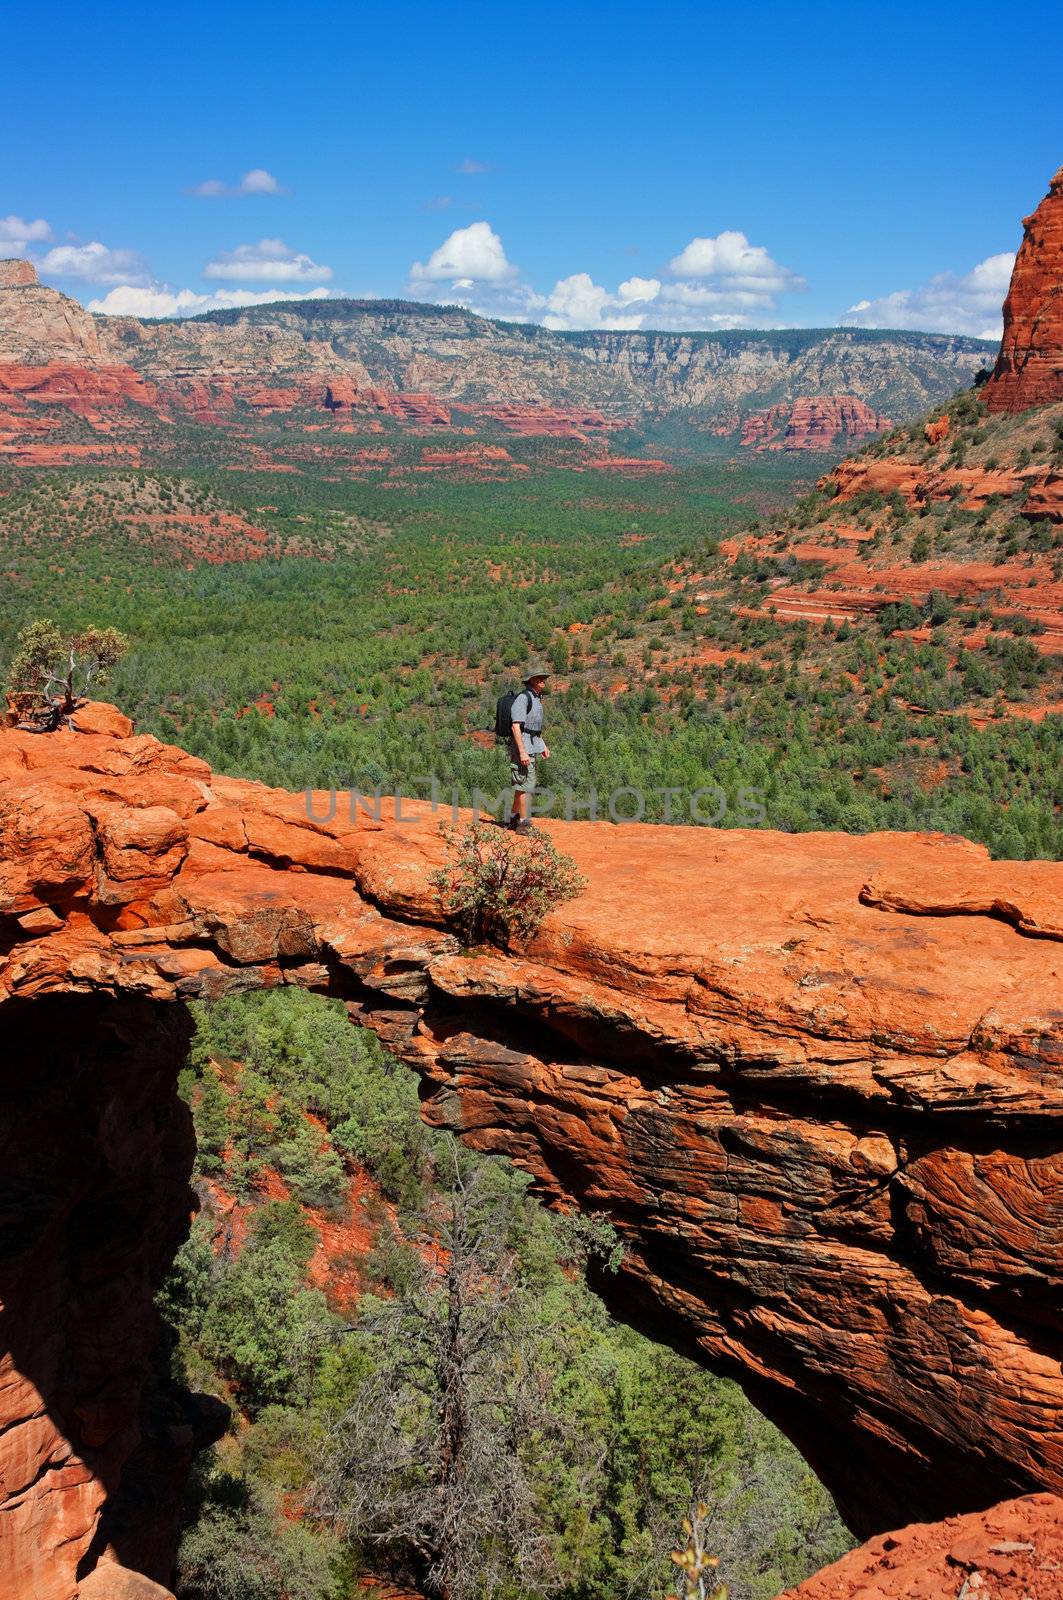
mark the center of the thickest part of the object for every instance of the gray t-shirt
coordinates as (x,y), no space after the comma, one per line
(528,710)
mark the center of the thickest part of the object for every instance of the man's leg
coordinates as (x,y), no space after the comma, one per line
(524,780)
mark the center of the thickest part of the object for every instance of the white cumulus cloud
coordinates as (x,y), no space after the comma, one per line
(256,181)
(161,301)
(948,303)
(638,289)
(470,255)
(721,282)
(724,282)
(259,181)
(93,263)
(471,269)
(731,262)
(17,232)
(578,302)
(268,261)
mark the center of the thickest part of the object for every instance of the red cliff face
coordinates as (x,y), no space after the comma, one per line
(811,423)
(1029,369)
(817,1091)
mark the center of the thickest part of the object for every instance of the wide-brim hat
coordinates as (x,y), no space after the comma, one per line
(536,670)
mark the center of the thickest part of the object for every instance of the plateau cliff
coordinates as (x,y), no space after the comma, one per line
(417,363)
(817,1093)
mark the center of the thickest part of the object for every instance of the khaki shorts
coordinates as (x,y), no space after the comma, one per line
(523,778)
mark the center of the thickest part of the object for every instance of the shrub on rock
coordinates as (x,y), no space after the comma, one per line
(498,887)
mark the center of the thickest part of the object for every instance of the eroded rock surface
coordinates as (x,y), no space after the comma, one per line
(1029,369)
(815,1081)
(1012,1552)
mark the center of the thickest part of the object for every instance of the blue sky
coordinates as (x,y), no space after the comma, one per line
(582,165)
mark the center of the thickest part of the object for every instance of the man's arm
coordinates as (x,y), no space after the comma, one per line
(516,730)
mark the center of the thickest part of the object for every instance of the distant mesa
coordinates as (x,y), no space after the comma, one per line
(1029,369)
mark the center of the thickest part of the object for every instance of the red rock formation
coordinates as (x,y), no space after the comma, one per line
(811,423)
(817,1095)
(627,466)
(59,455)
(83,390)
(1029,369)
(423,410)
(340,393)
(95,1149)
(478,460)
(851,587)
(1012,1552)
(208,402)
(548,421)
(917,483)
(1044,502)
(268,400)
(937,429)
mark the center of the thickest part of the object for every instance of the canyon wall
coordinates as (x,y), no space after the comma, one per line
(814,1081)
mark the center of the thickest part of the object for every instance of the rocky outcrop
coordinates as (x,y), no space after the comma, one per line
(852,588)
(627,466)
(817,1093)
(812,423)
(1012,1552)
(920,482)
(95,1151)
(39,326)
(16,274)
(1029,369)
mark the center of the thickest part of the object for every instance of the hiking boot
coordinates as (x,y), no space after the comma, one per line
(522,827)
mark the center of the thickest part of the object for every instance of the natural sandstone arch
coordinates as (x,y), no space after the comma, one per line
(813,1079)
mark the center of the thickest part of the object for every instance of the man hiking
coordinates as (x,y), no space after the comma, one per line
(526,745)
